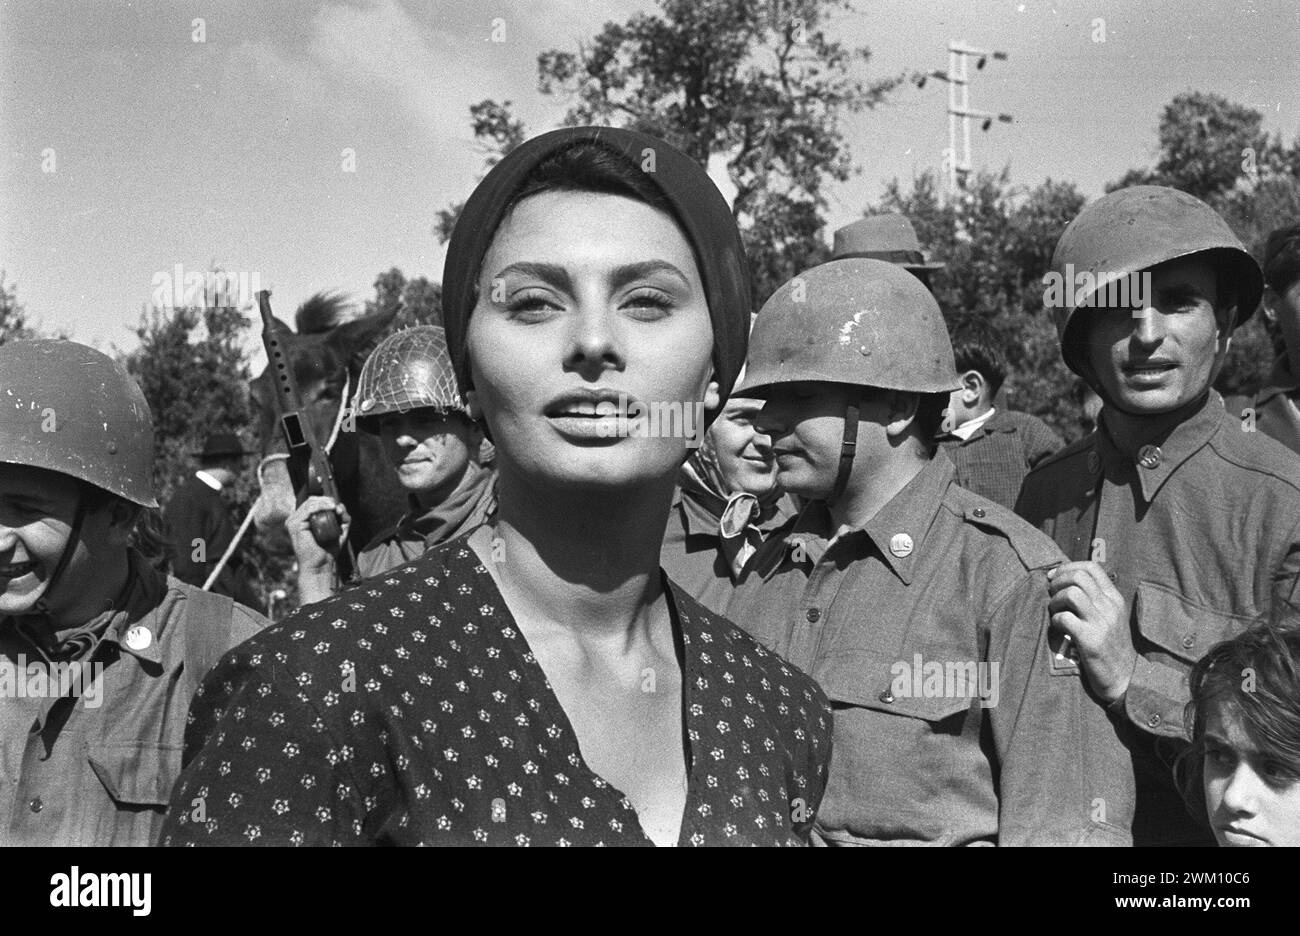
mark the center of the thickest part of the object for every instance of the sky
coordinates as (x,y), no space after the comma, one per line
(308,145)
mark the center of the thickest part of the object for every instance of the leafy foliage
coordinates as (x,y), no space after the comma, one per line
(13,316)
(755,85)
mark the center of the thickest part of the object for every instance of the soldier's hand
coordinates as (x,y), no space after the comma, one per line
(311,557)
(1086,605)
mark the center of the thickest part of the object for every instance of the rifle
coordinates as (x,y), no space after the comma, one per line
(309,465)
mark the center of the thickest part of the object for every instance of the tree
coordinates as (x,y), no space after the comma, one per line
(419,301)
(13,316)
(1217,150)
(191,367)
(755,85)
(997,242)
(1205,143)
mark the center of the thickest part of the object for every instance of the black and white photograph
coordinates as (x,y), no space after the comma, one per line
(526,423)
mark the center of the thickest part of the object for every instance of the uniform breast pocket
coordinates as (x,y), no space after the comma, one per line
(1181,627)
(136,780)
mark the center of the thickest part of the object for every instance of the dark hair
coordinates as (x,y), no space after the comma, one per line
(148,532)
(1282,258)
(588,166)
(1257,675)
(976,347)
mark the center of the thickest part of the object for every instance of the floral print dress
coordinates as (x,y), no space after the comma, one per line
(409,709)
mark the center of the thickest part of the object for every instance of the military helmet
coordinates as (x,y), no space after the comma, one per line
(408,370)
(854,321)
(1131,230)
(68,408)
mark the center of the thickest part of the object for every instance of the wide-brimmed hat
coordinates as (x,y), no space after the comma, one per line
(888,237)
(223,445)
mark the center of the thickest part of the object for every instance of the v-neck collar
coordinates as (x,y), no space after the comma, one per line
(691,677)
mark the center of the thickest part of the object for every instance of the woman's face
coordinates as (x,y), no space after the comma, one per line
(591,308)
(1251,799)
(744,454)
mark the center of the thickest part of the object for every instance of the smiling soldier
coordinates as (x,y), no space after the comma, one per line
(76,469)
(1182,527)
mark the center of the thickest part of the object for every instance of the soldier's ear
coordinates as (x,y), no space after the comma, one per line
(122,518)
(903,408)
(1270,303)
(972,387)
(712,396)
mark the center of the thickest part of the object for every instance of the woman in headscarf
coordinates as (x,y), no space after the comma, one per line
(727,501)
(541,681)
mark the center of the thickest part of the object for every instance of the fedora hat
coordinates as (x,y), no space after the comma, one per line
(223,445)
(888,237)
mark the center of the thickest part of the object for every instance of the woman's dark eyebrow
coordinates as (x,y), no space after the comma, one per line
(552,273)
(623,275)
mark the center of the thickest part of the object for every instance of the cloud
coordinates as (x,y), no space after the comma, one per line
(357,58)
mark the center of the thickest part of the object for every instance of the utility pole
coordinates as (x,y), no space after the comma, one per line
(958,79)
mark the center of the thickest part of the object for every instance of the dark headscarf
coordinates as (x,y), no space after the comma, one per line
(699,209)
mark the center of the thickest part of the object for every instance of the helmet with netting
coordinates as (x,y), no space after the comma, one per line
(409,370)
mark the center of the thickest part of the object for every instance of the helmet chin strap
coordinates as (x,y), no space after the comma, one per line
(848,448)
(74,535)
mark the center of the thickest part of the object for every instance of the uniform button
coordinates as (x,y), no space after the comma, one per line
(813,615)
(1189,641)
(1154,721)
(978,512)
(887,697)
(139,638)
(1150,456)
(36,805)
(901,545)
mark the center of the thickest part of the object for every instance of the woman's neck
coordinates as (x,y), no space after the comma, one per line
(581,559)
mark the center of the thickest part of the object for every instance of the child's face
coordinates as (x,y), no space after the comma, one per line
(1251,798)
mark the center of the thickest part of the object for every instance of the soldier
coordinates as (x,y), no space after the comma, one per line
(199,523)
(1181,527)
(919,607)
(407,396)
(99,655)
(1273,409)
(992,447)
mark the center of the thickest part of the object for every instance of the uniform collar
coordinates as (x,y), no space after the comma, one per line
(898,530)
(208,479)
(134,607)
(696,518)
(1155,459)
(1280,381)
(135,625)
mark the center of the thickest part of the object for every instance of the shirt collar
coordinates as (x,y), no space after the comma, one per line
(695,516)
(1280,381)
(971,426)
(898,530)
(208,479)
(1155,459)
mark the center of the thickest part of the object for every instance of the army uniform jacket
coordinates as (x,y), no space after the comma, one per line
(1274,407)
(96,767)
(995,459)
(692,549)
(1200,531)
(898,621)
